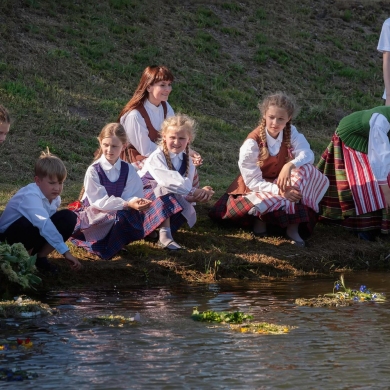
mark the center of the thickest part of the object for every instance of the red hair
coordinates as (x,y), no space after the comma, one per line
(150,76)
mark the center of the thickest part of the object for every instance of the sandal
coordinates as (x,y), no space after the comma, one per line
(301,244)
(170,246)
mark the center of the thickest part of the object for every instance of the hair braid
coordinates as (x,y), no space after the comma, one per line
(187,160)
(287,139)
(263,152)
(167,156)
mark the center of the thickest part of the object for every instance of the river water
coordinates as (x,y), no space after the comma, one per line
(331,348)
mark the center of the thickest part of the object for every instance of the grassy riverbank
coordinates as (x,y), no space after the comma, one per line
(67,68)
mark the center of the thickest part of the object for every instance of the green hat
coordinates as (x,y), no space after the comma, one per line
(354,129)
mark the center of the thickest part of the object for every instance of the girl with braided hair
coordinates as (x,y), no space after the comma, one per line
(113,210)
(278,184)
(170,170)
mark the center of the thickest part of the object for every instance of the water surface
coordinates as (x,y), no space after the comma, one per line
(339,348)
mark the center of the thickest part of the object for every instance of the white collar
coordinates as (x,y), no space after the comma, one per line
(174,155)
(271,141)
(151,106)
(107,165)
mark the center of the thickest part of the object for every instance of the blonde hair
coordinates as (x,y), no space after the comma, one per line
(111,130)
(280,100)
(178,122)
(50,165)
(4,115)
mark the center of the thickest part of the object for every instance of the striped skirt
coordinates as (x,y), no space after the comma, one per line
(354,199)
(279,211)
(125,226)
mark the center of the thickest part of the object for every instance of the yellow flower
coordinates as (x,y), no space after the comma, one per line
(243,330)
(28,345)
(2,347)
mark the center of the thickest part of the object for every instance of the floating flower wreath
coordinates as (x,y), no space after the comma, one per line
(240,322)
(342,296)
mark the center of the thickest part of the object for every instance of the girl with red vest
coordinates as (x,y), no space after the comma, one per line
(113,211)
(278,184)
(143,115)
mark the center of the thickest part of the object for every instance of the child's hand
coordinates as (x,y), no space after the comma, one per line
(73,262)
(293,194)
(139,204)
(196,158)
(284,178)
(203,194)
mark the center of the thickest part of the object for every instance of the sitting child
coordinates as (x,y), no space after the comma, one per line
(278,184)
(5,123)
(113,211)
(170,170)
(357,163)
(31,215)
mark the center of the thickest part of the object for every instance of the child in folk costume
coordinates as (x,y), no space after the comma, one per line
(357,163)
(5,123)
(278,183)
(143,115)
(170,170)
(113,210)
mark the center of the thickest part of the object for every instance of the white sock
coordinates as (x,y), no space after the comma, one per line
(292,232)
(166,238)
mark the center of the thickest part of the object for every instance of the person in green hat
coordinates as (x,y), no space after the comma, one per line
(357,163)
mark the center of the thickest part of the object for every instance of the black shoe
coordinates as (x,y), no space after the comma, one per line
(43,265)
(366,236)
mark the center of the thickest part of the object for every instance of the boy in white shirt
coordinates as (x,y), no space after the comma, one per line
(31,215)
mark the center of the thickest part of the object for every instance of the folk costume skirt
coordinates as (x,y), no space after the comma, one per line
(354,199)
(279,211)
(105,234)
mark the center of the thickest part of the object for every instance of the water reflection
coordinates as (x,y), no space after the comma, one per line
(331,348)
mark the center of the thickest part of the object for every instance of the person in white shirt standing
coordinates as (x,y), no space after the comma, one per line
(31,215)
(278,183)
(384,47)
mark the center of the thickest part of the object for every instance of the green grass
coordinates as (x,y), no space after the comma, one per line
(67,68)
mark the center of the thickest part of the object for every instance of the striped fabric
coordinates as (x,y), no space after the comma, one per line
(352,198)
(280,211)
(365,189)
(312,184)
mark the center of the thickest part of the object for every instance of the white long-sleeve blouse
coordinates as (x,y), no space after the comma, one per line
(249,152)
(136,130)
(97,194)
(173,181)
(379,147)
